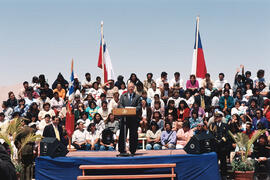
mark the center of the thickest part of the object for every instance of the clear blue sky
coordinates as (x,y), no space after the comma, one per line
(142,36)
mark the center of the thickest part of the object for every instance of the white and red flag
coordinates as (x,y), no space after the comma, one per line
(104,59)
(198,63)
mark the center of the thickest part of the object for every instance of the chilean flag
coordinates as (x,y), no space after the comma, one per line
(70,118)
(198,63)
(107,63)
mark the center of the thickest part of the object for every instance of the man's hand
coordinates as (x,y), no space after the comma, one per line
(241,66)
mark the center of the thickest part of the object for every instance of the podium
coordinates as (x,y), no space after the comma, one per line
(124,113)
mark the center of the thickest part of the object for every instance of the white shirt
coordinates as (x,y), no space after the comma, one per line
(100,127)
(215,101)
(104,113)
(144,112)
(112,105)
(41,126)
(41,114)
(3,126)
(92,136)
(8,113)
(162,104)
(28,101)
(173,83)
(79,136)
(190,101)
(40,102)
(86,82)
(220,84)
(239,111)
(160,83)
(95,93)
(151,93)
(57,104)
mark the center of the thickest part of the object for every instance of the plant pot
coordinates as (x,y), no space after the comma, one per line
(243,175)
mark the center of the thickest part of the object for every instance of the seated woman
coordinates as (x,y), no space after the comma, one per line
(112,123)
(158,108)
(168,137)
(175,124)
(192,84)
(189,98)
(234,124)
(158,119)
(92,109)
(153,137)
(99,122)
(227,87)
(78,112)
(87,100)
(195,120)
(171,109)
(238,109)
(183,135)
(93,137)
(183,111)
(196,107)
(144,115)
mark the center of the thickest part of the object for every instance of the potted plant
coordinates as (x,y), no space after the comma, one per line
(243,166)
(15,128)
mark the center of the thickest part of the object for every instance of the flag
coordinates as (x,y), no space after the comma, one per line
(107,63)
(69,115)
(69,120)
(198,63)
(71,84)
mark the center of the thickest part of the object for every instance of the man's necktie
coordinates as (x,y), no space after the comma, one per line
(56,133)
(130,97)
(202,102)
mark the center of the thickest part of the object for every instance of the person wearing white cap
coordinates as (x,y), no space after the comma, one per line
(220,132)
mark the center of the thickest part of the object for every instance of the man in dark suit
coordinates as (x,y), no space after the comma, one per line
(129,99)
(223,144)
(54,130)
(202,100)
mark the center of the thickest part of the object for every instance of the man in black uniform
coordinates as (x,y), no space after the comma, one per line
(129,99)
(220,133)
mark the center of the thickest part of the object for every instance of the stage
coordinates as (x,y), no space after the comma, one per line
(188,166)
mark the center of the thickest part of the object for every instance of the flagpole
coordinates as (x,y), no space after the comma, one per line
(197,39)
(102,51)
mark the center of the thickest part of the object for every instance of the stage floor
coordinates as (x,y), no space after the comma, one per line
(114,153)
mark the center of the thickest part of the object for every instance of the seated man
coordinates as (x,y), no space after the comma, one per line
(79,137)
(107,140)
(92,137)
(168,137)
(55,130)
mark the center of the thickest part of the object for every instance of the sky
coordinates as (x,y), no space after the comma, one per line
(42,37)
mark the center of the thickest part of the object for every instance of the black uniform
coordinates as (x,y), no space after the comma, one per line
(223,143)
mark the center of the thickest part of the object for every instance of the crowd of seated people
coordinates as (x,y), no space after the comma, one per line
(171,111)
